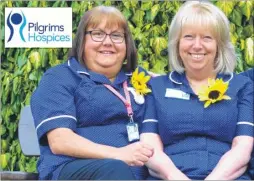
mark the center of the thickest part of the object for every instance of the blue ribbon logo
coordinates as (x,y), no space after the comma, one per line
(16,19)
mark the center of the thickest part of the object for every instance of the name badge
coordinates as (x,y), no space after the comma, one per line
(132,130)
(174,93)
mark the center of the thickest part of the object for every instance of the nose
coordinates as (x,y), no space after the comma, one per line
(107,40)
(197,43)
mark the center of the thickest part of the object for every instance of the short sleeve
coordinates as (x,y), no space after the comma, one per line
(53,105)
(245,124)
(150,123)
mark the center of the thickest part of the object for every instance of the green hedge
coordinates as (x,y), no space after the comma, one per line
(22,68)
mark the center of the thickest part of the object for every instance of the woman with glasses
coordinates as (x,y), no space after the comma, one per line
(82,108)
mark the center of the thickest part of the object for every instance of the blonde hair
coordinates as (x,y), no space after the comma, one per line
(113,17)
(204,14)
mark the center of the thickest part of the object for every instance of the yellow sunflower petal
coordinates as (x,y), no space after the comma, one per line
(147,78)
(141,75)
(207,104)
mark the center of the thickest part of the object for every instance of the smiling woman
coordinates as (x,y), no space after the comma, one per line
(200,114)
(86,120)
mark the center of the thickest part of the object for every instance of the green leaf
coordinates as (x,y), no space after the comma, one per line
(75,7)
(31,165)
(107,3)
(157,30)
(154,11)
(239,66)
(4,143)
(4,158)
(233,38)
(127,13)
(146,5)
(226,6)
(126,3)
(158,44)
(16,85)
(236,17)
(44,57)
(159,65)
(246,8)
(248,31)
(145,65)
(33,76)
(249,52)
(2,129)
(134,3)
(21,61)
(232,27)
(35,59)
(138,18)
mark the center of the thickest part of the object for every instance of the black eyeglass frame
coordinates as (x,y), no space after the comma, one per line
(106,34)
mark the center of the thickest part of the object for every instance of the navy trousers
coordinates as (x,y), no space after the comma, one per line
(96,169)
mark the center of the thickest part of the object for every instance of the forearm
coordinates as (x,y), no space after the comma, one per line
(234,162)
(70,144)
(160,165)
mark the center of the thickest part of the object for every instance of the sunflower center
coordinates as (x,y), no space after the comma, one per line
(214,94)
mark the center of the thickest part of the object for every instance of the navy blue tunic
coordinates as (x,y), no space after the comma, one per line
(194,137)
(70,96)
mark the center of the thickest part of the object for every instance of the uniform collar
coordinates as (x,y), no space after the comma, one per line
(96,77)
(180,81)
(180,78)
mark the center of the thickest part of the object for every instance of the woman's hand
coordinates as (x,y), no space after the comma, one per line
(234,162)
(135,154)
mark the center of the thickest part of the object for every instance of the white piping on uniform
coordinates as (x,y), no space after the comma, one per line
(231,77)
(69,63)
(244,122)
(82,72)
(170,77)
(150,120)
(55,117)
(128,74)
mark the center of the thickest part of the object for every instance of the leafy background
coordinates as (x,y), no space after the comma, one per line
(22,68)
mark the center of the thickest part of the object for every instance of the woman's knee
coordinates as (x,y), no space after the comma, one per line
(116,170)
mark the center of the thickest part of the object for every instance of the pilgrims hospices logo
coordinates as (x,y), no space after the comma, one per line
(16,19)
(38,27)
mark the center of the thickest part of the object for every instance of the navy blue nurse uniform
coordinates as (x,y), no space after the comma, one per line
(250,73)
(70,96)
(194,137)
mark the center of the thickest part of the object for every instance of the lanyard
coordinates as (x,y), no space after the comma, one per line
(127,101)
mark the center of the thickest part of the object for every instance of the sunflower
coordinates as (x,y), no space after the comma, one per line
(139,82)
(214,92)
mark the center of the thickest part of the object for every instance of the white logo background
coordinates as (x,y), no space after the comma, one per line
(44,16)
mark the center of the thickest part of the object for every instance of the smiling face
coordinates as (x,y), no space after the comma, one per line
(104,57)
(197,49)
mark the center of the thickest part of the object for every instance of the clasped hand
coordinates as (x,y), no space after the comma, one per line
(135,154)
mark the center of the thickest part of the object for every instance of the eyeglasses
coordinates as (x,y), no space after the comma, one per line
(99,36)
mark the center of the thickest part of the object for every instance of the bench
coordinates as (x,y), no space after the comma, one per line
(29,145)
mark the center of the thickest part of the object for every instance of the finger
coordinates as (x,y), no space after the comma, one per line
(141,157)
(147,152)
(138,163)
(147,146)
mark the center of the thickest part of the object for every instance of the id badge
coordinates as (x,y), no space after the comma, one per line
(132,130)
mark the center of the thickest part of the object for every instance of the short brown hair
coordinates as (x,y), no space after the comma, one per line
(93,18)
